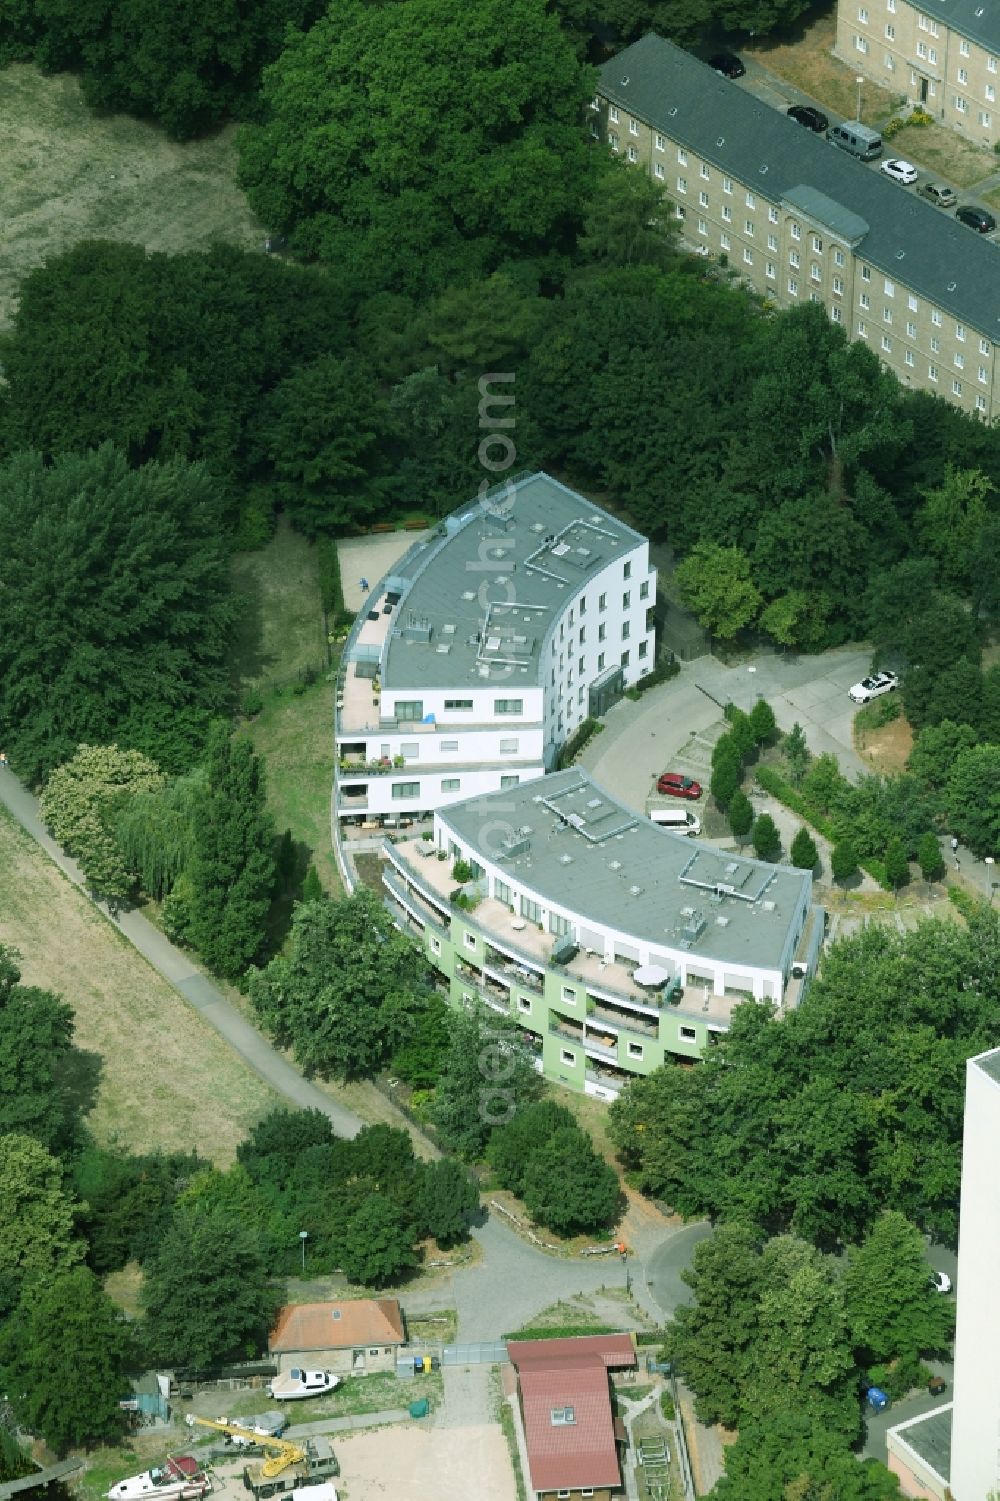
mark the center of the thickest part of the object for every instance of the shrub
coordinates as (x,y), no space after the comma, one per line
(661,674)
(574,745)
(667,1407)
(929,856)
(725,781)
(766,839)
(461,871)
(843,860)
(740,814)
(251,703)
(330,587)
(803,851)
(897,867)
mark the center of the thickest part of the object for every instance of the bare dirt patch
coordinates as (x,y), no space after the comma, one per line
(450,1464)
(68,175)
(887,748)
(164,1079)
(806,59)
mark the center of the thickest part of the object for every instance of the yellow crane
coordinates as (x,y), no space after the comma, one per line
(280,1452)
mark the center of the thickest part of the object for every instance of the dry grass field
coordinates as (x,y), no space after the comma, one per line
(68,175)
(945,152)
(164,1078)
(805,58)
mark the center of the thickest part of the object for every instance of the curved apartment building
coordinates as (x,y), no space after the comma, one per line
(486,647)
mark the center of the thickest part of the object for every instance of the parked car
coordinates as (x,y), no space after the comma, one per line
(678,785)
(728,64)
(873,687)
(900,171)
(940,1281)
(938,193)
(976,218)
(814,119)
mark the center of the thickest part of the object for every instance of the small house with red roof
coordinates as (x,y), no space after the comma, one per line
(357,1335)
(571,1436)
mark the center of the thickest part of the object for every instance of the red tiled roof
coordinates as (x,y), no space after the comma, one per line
(336,1326)
(561,1373)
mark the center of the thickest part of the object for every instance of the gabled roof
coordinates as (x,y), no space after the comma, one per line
(907,239)
(334,1326)
(979,20)
(569,1429)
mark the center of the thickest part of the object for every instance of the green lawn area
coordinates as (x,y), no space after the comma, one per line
(356,1394)
(805,58)
(281,638)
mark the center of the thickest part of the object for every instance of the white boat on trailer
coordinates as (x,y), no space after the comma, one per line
(293,1385)
(180,1478)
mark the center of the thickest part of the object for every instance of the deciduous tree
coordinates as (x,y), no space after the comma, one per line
(488,1076)
(972,798)
(804,853)
(794,1455)
(929,856)
(37,1058)
(80,802)
(892,1310)
(739,811)
(377,1246)
(843,859)
(36,1227)
(568,1188)
(448,1200)
(766,839)
(715,583)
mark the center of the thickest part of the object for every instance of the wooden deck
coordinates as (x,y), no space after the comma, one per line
(40,1477)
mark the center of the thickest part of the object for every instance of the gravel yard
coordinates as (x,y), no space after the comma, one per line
(450,1464)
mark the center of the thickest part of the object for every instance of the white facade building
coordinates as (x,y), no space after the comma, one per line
(487,647)
(954,1451)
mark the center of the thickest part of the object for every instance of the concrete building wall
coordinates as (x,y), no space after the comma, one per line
(922,59)
(975,1443)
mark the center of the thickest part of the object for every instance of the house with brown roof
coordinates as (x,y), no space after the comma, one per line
(570,1434)
(356,1336)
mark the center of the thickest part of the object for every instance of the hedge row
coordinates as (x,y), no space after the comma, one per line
(574,745)
(330,587)
(773,782)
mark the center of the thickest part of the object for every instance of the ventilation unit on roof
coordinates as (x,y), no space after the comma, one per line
(635,891)
(722,922)
(768,906)
(693,926)
(687,912)
(625,82)
(565,859)
(614,865)
(952,285)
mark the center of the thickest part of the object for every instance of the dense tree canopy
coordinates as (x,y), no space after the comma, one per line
(114,608)
(892,1310)
(849,1105)
(793,1456)
(349,991)
(422,142)
(37,1060)
(488,1075)
(79,804)
(36,1227)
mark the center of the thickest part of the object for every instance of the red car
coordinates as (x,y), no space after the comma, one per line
(677,785)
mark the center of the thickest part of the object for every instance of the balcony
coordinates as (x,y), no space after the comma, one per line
(409,896)
(621,1020)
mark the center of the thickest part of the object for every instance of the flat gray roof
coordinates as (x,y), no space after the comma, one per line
(909,240)
(990,1064)
(979,20)
(579,848)
(930,1437)
(477,601)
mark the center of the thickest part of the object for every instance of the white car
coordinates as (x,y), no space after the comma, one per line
(940,1281)
(873,687)
(900,171)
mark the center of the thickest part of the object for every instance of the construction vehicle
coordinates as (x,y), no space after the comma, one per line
(281,1452)
(318,1466)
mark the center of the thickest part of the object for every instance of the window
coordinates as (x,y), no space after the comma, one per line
(703,200)
(770,271)
(912,303)
(837,314)
(817,245)
(727,214)
(633,155)
(866,274)
(523,1004)
(682,156)
(890,288)
(449,745)
(509,781)
(451,784)
(961,104)
(935,346)
(796,232)
(956,387)
(627,599)
(600,661)
(627,628)
(960,362)
(860,44)
(727,184)
(509,747)
(890,6)
(702,227)
(890,32)
(862,329)
(983,375)
(682,184)
(751,200)
(908,357)
(963,75)
(865,300)
(688,1033)
(612,140)
(410,709)
(887,315)
(455,705)
(568,993)
(658,170)
(932,372)
(838,286)
(747,256)
(748,229)
(863,14)
(960,331)
(643,648)
(624,658)
(911,330)
(531,910)
(922,22)
(633,127)
(508,706)
(469,939)
(838,257)
(772,215)
(963,47)
(921,49)
(644,586)
(935,317)
(793,258)
(991,64)
(613,113)
(886,343)
(980,403)
(706,174)
(501,891)
(602,601)
(985,118)
(725,242)
(635,1049)
(435,945)
(815,272)
(772,242)
(565,1056)
(405,789)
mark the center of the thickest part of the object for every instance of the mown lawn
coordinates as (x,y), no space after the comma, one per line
(805,58)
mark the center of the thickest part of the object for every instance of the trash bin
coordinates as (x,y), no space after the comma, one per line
(936,1385)
(877,1399)
(420,1409)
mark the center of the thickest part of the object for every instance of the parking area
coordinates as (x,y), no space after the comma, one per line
(450,1464)
(673,727)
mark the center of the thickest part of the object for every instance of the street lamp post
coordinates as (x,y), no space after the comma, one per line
(303,1237)
(859,80)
